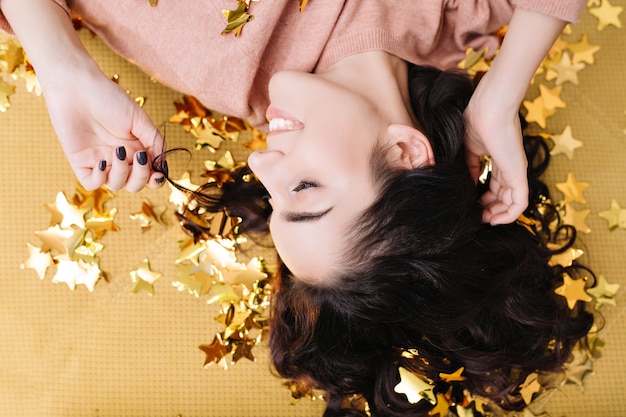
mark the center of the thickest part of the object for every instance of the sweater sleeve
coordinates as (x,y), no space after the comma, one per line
(566,10)
(6,27)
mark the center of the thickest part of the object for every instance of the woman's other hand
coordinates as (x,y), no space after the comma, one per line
(500,137)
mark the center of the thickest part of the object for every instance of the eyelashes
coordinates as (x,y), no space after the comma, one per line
(304,185)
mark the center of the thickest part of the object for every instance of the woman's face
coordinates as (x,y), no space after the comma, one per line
(316,168)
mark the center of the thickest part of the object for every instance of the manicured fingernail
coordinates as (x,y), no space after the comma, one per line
(142,158)
(103,165)
(159,180)
(121,153)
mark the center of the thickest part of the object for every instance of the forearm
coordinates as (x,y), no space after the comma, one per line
(48,37)
(529,37)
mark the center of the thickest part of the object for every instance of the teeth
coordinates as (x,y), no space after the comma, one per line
(278,123)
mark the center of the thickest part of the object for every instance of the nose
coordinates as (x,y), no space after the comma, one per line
(265,165)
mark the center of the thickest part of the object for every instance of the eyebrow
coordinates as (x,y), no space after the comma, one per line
(295,217)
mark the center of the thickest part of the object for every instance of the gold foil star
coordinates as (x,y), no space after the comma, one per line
(583,51)
(441,409)
(143,278)
(615,216)
(576,218)
(184,282)
(102,223)
(92,199)
(61,240)
(453,377)
(603,292)
(530,387)
(537,111)
(572,189)
(607,14)
(474,61)
(68,271)
(222,293)
(579,367)
(71,214)
(573,290)
(236,18)
(565,143)
(566,70)
(415,388)
(11,56)
(180,198)
(89,275)
(37,260)
(551,97)
(243,349)
(149,215)
(566,258)
(215,352)
(6,90)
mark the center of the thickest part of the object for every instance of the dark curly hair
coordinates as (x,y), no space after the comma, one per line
(424,275)
(428,276)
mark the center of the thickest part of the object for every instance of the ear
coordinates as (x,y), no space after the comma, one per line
(412,146)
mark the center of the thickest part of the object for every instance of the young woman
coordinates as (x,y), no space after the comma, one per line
(374,208)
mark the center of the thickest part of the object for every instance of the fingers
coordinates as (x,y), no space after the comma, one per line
(140,172)
(120,169)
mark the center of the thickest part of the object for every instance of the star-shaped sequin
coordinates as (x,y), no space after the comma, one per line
(607,15)
(565,143)
(573,189)
(573,290)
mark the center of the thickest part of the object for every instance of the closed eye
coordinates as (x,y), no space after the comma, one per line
(304,185)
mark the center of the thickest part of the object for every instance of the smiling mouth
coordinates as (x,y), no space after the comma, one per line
(279,124)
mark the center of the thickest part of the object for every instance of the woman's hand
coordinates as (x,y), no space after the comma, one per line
(104,133)
(499,136)
(100,126)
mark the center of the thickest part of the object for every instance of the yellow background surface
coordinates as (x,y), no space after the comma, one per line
(115,353)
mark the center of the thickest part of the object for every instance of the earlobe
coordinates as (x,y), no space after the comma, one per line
(414,147)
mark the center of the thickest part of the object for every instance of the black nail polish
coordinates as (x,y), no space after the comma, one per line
(159,180)
(102,165)
(142,158)
(121,153)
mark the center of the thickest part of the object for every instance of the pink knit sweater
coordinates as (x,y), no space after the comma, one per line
(179,43)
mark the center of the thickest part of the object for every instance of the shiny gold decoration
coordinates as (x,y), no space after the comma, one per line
(565,258)
(573,290)
(603,292)
(11,56)
(537,112)
(565,143)
(215,352)
(583,51)
(101,223)
(615,216)
(6,90)
(453,377)
(153,3)
(237,18)
(530,387)
(70,214)
(551,97)
(579,366)
(442,406)
(303,4)
(143,278)
(474,62)
(415,388)
(576,218)
(573,189)
(567,71)
(37,260)
(94,200)
(607,15)
(149,215)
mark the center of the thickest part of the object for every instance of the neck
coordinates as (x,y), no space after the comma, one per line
(379,77)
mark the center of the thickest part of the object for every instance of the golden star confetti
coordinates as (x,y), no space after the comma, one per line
(583,51)
(94,200)
(442,406)
(530,387)
(573,290)
(102,222)
(576,218)
(143,278)
(603,292)
(551,97)
(537,112)
(415,388)
(455,376)
(474,62)
(6,90)
(572,189)
(607,15)
(615,216)
(565,143)
(566,70)
(578,367)
(38,261)
(149,215)
(565,258)
(237,18)
(11,56)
